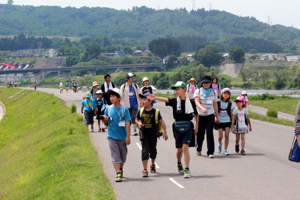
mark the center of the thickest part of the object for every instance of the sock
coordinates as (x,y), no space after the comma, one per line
(187,168)
(134,130)
(121,169)
(178,163)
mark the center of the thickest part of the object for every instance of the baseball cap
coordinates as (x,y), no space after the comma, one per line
(244,92)
(88,95)
(129,75)
(99,92)
(239,98)
(145,79)
(225,90)
(144,95)
(115,90)
(178,84)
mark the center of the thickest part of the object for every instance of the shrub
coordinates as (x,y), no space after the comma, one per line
(272,113)
(73,108)
(71,130)
(79,118)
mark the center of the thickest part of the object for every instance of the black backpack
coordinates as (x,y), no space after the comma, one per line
(228,109)
(135,85)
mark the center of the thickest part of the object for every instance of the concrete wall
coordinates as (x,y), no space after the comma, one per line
(232,70)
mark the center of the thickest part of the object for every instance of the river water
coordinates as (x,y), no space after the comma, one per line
(252,92)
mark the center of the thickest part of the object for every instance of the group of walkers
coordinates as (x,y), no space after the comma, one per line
(196,112)
(66,86)
(12,83)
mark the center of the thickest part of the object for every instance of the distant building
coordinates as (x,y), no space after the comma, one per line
(250,56)
(146,52)
(190,57)
(272,56)
(165,59)
(263,57)
(137,53)
(115,54)
(52,53)
(293,57)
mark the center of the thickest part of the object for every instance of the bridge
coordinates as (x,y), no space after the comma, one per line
(91,69)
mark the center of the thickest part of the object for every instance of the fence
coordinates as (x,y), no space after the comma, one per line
(19,94)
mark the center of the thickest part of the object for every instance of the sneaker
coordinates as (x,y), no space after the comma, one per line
(153,169)
(180,169)
(135,133)
(220,148)
(121,172)
(103,129)
(92,129)
(145,173)
(187,173)
(237,148)
(226,153)
(119,177)
(243,152)
(99,130)
(198,153)
(211,156)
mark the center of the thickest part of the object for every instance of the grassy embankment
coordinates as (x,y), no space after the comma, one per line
(46,152)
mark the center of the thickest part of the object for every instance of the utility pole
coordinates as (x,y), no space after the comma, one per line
(194,5)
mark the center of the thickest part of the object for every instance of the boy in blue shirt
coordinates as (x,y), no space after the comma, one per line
(89,107)
(118,118)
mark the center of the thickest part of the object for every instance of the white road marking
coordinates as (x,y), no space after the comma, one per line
(139,146)
(176,183)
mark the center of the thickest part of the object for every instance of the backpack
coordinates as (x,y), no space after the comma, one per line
(228,109)
(123,111)
(159,129)
(92,90)
(135,85)
(236,118)
(147,89)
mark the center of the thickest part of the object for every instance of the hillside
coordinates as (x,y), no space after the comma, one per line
(140,22)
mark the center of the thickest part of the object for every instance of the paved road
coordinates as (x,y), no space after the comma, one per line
(264,173)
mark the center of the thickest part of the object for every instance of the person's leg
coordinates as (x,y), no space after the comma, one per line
(210,135)
(243,140)
(145,151)
(237,139)
(186,153)
(179,154)
(117,167)
(226,137)
(201,133)
(220,138)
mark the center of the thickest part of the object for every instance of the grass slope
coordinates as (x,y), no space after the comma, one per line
(46,153)
(283,105)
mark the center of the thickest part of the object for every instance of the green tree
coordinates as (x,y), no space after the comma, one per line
(253,51)
(10,2)
(163,81)
(126,60)
(71,61)
(199,71)
(176,77)
(243,74)
(265,76)
(171,62)
(236,53)
(92,51)
(209,55)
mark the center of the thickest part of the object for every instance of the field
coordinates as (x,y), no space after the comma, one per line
(46,152)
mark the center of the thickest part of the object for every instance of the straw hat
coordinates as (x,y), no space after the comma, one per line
(192,79)
(95,83)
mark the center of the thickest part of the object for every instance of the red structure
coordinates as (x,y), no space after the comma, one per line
(12,67)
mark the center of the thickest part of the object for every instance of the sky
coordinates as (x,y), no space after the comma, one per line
(267,11)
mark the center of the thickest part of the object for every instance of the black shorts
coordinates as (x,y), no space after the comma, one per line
(223,125)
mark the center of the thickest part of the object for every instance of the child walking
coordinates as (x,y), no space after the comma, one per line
(101,105)
(89,107)
(240,122)
(183,128)
(118,118)
(246,101)
(225,112)
(146,119)
(61,87)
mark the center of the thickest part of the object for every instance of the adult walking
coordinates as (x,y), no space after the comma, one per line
(130,95)
(107,85)
(191,88)
(297,123)
(67,85)
(207,107)
(74,83)
(94,90)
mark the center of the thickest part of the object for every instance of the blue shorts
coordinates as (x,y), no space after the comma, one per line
(183,138)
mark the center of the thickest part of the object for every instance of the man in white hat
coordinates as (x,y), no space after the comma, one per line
(130,96)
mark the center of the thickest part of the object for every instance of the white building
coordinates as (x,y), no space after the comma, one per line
(272,56)
(293,57)
(52,53)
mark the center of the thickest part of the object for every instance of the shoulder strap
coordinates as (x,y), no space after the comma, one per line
(141,111)
(123,111)
(156,116)
(188,87)
(219,106)
(91,91)
(124,85)
(229,109)
(108,111)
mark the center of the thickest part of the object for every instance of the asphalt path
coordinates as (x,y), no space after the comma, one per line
(263,173)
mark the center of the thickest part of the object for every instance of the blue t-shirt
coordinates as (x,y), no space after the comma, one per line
(67,84)
(89,104)
(223,115)
(114,130)
(132,97)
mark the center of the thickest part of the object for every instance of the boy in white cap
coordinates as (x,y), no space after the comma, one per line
(146,87)
(118,118)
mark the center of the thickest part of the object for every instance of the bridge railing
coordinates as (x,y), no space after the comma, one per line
(19,94)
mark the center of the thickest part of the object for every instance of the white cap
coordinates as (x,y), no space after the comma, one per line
(244,92)
(130,75)
(114,90)
(99,92)
(145,79)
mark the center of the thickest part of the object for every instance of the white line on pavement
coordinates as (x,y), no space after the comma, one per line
(176,183)
(139,146)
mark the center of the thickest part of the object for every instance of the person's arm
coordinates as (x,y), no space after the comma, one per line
(198,104)
(232,123)
(220,93)
(95,109)
(82,109)
(153,88)
(163,124)
(153,97)
(250,127)
(216,112)
(128,132)
(197,124)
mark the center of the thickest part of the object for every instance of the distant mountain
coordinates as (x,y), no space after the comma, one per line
(140,22)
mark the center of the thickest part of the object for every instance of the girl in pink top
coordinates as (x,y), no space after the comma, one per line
(246,102)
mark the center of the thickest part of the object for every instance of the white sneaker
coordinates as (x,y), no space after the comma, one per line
(211,156)
(226,153)
(198,153)
(135,133)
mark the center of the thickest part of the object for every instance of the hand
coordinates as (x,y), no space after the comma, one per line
(195,131)
(218,121)
(204,110)
(128,140)
(105,119)
(250,128)
(232,130)
(141,125)
(165,136)
(151,97)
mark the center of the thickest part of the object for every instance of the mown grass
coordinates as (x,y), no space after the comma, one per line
(283,105)
(46,153)
(260,117)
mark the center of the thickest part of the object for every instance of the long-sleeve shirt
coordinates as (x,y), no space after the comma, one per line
(297,120)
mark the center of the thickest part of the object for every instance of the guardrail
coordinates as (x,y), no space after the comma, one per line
(19,94)
(3,110)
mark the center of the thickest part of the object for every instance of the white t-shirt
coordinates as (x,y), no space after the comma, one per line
(206,102)
(241,117)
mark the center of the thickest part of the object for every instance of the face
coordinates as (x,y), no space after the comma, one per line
(107,79)
(130,79)
(145,102)
(114,98)
(99,96)
(239,103)
(146,82)
(226,95)
(180,91)
(214,81)
(243,94)
(206,85)
(192,82)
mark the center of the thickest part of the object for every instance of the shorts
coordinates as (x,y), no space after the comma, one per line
(223,125)
(133,112)
(118,150)
(149,147)
(183,138)
(88,117)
